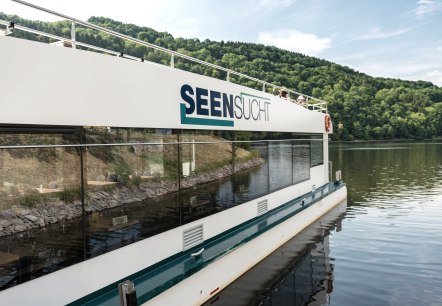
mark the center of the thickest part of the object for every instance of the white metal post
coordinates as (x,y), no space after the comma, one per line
(73,35)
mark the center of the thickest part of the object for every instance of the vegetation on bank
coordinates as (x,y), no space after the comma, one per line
(34,176)
(362,107)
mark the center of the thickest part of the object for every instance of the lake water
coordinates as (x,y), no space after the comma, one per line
(385,249)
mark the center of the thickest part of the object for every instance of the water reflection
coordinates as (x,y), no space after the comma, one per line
(388,253)
(381,172)
(37,252)
(297,273)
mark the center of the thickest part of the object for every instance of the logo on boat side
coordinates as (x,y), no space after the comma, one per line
(209,107)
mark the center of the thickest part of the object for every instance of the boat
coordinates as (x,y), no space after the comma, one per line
(123,180)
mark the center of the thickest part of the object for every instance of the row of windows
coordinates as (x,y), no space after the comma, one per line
(241,166)
(197,172)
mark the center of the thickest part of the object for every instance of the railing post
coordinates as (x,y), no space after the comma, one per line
(228,76)
(330,170)
(73,35)
(172,60)
(263,86)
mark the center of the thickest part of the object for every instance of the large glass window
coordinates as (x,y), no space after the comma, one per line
(120,182)
(251,179)
(39,206)
(317,150)
(301,158)
(280,160)
(206,172)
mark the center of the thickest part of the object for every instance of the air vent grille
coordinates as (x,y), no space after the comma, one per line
(262,207)
(193,236)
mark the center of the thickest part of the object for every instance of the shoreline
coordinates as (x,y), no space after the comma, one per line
(386,140)
(19,219)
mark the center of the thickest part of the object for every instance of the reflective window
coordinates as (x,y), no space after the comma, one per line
(136,174)
(206,172)
(251,179)
(280,160)
(301,158)
(39,205)
(317,150)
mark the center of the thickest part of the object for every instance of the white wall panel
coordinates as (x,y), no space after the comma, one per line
(45,84)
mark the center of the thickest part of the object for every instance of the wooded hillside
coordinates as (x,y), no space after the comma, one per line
(362,107)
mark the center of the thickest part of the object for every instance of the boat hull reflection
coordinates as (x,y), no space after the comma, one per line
(300,272)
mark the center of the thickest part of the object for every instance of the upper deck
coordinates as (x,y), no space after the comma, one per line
(48,85)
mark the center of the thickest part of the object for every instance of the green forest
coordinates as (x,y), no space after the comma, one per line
(362,107)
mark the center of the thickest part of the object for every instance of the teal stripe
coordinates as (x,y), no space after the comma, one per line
(159,277)
(201,121)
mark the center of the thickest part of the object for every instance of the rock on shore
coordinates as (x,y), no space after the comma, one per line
(19,219)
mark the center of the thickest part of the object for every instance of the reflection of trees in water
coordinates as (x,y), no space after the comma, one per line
(387,169)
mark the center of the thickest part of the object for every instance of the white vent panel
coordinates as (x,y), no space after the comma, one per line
(262,207)
(193,236)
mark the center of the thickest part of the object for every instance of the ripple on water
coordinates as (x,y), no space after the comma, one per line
(390,249)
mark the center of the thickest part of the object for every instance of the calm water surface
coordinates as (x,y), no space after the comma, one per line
(386,249)
(390,249)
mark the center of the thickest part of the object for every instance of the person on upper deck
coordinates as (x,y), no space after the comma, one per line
(283,93)
(301,100)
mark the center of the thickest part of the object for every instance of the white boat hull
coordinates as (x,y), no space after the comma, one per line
(204,284)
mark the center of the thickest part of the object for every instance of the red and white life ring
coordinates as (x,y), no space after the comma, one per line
(328,123)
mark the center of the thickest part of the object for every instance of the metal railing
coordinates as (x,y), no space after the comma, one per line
(174,143)
(62,39)
(317,105)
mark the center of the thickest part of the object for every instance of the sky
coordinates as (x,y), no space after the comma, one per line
(382,38)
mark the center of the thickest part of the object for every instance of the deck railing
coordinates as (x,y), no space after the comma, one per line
(310,102)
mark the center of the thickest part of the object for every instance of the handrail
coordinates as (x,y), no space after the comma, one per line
(155,47)
(123,144)
(59,38)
